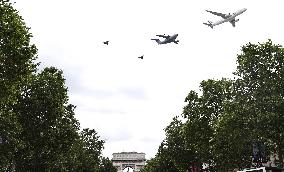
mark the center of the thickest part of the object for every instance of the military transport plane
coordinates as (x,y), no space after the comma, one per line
(226,18)
(168,39)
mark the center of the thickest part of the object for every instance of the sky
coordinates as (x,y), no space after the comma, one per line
(130,101)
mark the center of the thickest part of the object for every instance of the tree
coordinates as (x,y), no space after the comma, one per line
(201,114)
(17,57)
(38,128)
(161,162)
(261,82)
(50,130)
(92,146)
(189,143)
(175,146)
(106,166)
(231,142)
(220,125)
(49,127)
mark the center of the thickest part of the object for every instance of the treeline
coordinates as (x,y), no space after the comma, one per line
(220,122)
(38,130)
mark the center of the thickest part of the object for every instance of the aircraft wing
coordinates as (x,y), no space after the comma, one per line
(217,14)
(163,36)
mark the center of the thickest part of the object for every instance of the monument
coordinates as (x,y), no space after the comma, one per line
(133,160)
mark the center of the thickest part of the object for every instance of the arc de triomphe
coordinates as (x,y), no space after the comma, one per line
(128,159)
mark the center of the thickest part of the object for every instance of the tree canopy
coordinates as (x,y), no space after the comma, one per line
(38,128)
(220,123)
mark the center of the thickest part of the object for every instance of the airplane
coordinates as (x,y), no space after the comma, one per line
(106,42)
(226,18)
(168,39)
(141,57)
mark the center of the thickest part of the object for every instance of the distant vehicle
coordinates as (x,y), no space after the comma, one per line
(168,39)
(226,18)
(106,42)
(264,169)
(141,57)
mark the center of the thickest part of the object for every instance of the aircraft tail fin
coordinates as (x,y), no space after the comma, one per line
(157,40)
(209,24)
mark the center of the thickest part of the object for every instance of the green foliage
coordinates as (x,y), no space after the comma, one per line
(16,66)
(106,166)
(201,114)
(49,127)
(231,143)
(261,81)
(90,150)
(38,128)
(161,162)
(217,126)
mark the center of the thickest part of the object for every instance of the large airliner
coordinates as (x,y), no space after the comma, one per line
(226,18)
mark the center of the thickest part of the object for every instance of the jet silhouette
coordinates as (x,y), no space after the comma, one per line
(106,42)
(225,18)
(167,39)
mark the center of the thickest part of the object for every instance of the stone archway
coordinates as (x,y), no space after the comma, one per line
(133,160)
(128,169)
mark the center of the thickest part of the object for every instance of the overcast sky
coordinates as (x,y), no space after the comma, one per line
(129,101)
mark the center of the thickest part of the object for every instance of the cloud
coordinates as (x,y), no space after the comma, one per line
(133,92)
(103,111)
(150,139)
(127,100)
(118,134)
(76,87)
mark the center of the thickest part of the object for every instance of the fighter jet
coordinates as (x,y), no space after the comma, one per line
(106,42)
(141,57)
(168,39)
(226,18)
